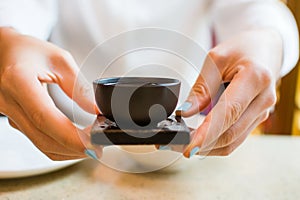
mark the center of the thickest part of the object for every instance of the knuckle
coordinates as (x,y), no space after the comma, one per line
(227,151)
(8,74)
(266,76)
(265,116)
(38,117)
(12,124)
(258,73)
(200,89)
(270,100)
(234,110)
(63,57)
(261,75)
(228,137)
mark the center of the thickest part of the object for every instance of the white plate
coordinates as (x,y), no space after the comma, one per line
(142,159)
(20,158)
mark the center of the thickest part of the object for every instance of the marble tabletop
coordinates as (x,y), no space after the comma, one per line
(264,167)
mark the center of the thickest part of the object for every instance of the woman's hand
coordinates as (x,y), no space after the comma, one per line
(26,65)
(251,62)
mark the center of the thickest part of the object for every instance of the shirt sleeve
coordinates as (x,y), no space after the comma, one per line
(30,17)
(232,16)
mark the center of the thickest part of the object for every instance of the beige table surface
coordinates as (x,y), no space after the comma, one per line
(264,167)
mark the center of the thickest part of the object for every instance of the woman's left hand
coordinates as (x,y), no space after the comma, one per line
(251,62)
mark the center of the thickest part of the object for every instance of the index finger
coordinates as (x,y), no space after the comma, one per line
(66,73)
(244,87)
(41,110)
(205,88)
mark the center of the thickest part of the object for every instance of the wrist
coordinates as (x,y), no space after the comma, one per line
(275,53)
(265,46)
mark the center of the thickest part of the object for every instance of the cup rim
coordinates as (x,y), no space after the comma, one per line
(133,81)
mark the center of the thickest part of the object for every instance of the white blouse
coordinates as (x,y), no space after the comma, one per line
(80,25)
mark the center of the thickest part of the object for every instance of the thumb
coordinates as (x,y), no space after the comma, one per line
(67,75)
(203,91)
(193,105)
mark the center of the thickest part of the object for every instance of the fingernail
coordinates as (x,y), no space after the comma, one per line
(91,153)
(164,147)
(184,107)
(194,151)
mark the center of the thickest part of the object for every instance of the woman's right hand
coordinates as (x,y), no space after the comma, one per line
(27,64)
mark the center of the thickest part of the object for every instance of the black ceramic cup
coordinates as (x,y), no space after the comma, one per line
(136,101)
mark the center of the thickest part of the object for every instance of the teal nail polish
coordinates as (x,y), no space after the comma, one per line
(91,153)
(194,151)
(162,147)
(184,107)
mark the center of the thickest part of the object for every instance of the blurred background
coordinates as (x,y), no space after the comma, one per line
(286,117)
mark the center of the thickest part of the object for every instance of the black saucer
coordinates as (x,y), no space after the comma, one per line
(170,131)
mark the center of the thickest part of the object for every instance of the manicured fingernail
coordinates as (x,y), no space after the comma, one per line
(194,151)
(91,153)
(184,107)
(164,147)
